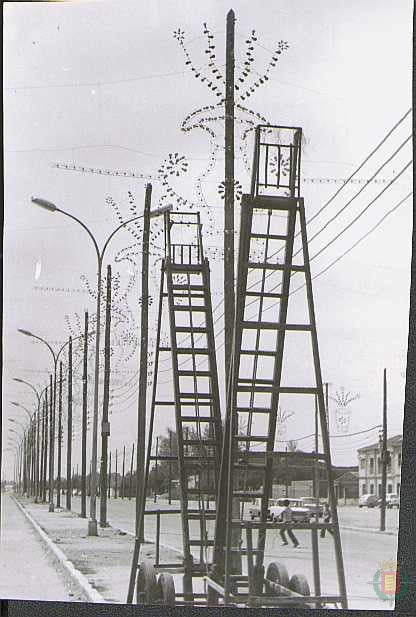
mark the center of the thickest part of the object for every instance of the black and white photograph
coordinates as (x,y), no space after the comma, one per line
(206,287)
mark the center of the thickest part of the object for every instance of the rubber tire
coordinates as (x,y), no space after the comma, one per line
(166,589)
(146,584)
(277,572)
(299,583)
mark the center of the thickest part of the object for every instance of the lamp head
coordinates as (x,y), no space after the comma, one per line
(44,203)
(25,332)
(18,380)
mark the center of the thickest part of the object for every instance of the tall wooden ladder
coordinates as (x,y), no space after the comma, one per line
(266,267)
(191,394)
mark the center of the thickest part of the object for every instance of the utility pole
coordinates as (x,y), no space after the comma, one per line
(326,384)
(316,461)
(105,425)
(51,447)
(58,496)
(131,471)
(84,421)
(109,477)
(45,461)
(122,476)
(115,487)
(143,366)
(157,453)
(384,457)
(69,430)
(170,468)
(229,297)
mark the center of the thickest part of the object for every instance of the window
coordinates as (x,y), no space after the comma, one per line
(378,464)
(371,489)
(364,489)
(362,463)
(379,490)
(399,459)
(371,465)
(389,488)
(398,488)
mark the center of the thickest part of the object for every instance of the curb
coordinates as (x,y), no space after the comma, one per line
(368,530)
(92,594)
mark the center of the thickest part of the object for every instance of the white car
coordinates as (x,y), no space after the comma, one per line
(300,513)
(392,500)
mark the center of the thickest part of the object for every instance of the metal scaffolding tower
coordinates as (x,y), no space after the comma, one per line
(266,266)
(193,403)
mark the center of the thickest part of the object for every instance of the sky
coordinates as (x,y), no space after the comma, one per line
(105,85)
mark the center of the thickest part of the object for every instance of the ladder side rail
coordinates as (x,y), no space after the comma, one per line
(321,408)
(278,365)
(212,360)
(244,248)
(188,560)
(137,542)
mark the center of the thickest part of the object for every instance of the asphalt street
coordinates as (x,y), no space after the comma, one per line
(363,551)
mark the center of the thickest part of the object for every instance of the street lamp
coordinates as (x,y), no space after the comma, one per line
(55,357)
(38,449)
(51,207)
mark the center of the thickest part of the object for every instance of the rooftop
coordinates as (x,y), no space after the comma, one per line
(391,441)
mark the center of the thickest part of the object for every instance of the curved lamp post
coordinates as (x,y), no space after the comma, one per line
(51,207)
(37,447)
(55,357)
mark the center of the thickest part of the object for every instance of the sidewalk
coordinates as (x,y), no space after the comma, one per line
(104,560)
(27,570)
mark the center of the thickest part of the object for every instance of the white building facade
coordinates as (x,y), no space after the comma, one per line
(370,468)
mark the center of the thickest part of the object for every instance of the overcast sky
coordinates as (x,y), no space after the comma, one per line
(105,85)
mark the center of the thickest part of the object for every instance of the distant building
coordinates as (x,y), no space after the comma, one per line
(347,486)
(369,467)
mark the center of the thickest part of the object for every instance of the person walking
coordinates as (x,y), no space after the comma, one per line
(287,518)
(327,519)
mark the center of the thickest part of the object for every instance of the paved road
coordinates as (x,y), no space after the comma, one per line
(27,571)
(363,551)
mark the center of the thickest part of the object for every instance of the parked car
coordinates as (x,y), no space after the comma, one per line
(300,513)
(310,502)
(392,500)
(367,500)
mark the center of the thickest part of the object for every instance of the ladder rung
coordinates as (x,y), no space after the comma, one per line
(192,350)
(163,457)
(279,267)
(245,551)
(201,542)
(184,267)
(281,390)
(268,236)
(165,348)
(255,382)
(190,308)
(198,419)
(271,325)
(200,442)
(164,403)
(249,352)
(196,516)
(189,287)
(260,438)
(187,373)
(197,491)
(195,395)
(259,466)
(197,329)
(195,403)
(258,294)
(198,458)
(248,494)
(253,409)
